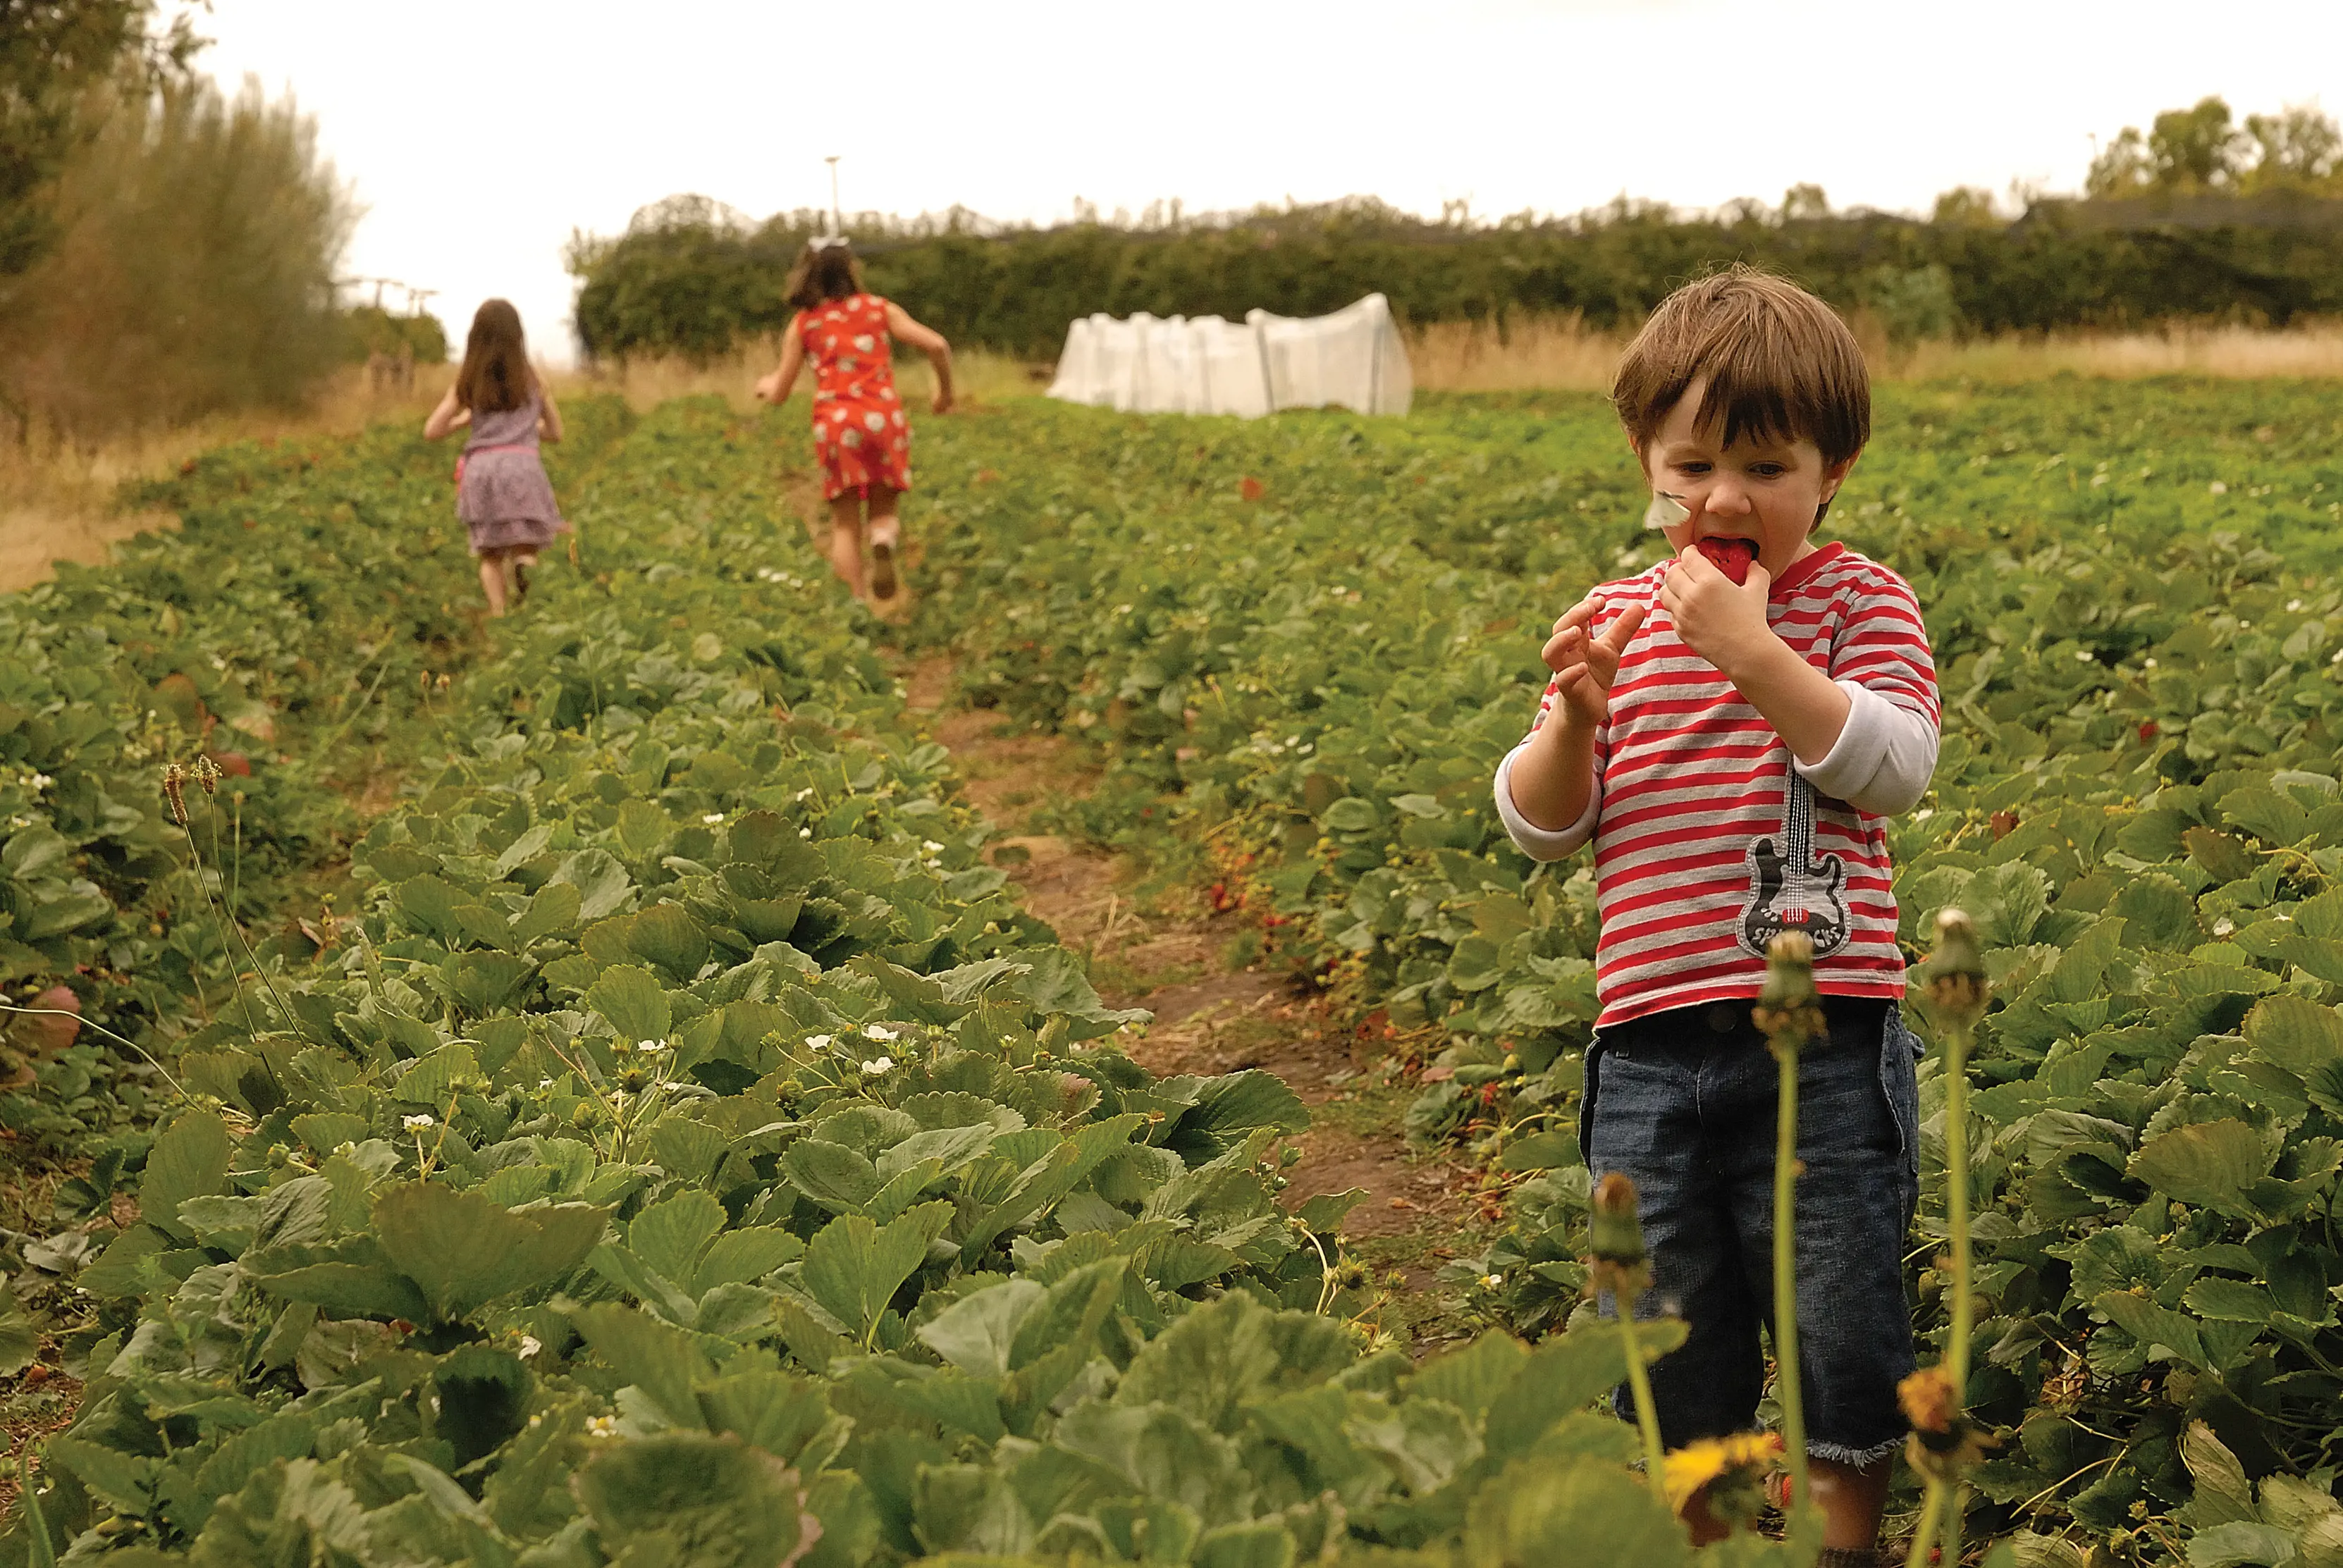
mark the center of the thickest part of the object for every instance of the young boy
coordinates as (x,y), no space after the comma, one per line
(1733,748)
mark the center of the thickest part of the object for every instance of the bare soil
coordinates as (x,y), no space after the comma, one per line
(1168,953)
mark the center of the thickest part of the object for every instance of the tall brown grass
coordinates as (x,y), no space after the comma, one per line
(1561,353)
(199,235)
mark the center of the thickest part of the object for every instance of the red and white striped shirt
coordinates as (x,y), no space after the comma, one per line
(1710,836)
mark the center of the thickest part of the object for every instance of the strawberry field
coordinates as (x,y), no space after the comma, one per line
(583,1092)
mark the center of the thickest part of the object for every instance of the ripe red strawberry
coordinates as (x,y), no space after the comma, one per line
(1734,558)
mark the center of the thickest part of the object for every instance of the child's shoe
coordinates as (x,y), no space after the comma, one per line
(883,570)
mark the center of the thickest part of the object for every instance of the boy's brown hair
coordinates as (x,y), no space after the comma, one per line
(497,376)
(1779,364)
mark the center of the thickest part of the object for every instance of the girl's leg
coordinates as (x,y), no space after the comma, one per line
(886,534)
(492,580)
(845,542)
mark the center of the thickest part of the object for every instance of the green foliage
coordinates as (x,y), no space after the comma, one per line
(688,1152)
(2129,592)
(50,56)
(371,330)
(681,280)
(283,628)
(2202,148)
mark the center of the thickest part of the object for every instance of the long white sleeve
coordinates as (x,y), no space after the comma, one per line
(1541,843)
(1880,764)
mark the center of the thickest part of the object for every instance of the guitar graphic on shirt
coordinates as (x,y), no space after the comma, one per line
(1791,888)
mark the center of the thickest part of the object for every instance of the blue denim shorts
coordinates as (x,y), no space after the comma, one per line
(1684,1103)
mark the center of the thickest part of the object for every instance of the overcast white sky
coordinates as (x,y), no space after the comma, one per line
(478,133)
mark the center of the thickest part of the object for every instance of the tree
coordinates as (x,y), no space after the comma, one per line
(2197,149)
(2297,147)
(1967,206)
(52,53)
(1802,201)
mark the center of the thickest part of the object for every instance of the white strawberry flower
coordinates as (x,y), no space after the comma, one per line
(602,1426)
(529,1346)
(805,833)
(881,1033)
(652,1046)
(819,1041)
(2224,926)
(932,847)
(711,818)
(882,1064)
(422,1123)
(2217,487)
(1493,1281)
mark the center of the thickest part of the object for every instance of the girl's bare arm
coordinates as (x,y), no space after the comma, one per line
(776,387)
(549,419)
(929,342)
(447,416)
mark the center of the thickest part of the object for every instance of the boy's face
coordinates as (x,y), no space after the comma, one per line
(1767,492)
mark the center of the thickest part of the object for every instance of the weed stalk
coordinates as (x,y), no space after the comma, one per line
(207,773)
(1615,1240)
(1943,1445)
(1790,1014)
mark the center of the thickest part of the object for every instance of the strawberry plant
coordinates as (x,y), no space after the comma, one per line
(2128,591)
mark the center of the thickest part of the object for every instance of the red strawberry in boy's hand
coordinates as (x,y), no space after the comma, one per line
(1734,558)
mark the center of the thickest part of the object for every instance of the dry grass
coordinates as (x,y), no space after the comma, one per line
(978,377)
(1560,353)
(57,499)
(1544,352)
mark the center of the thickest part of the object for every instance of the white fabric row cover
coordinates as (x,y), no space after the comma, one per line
(1146,365)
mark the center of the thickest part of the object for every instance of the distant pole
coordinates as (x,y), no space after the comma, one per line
(837,219)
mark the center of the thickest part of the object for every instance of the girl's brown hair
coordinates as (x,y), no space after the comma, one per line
(1778,365)
(497,376)
(822,272)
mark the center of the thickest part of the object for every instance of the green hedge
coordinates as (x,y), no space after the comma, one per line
(687,281)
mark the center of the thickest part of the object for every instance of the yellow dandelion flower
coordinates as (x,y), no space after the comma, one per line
(1711,1459)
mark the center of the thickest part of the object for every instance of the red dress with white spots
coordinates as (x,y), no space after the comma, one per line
(859,433)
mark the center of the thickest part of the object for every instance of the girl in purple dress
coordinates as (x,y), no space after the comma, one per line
(501,491)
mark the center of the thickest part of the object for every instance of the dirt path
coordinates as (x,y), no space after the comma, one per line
(1213,1013)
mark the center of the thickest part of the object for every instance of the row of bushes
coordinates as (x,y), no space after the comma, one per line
(687,279)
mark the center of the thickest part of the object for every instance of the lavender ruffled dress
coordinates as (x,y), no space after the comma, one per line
(501,491)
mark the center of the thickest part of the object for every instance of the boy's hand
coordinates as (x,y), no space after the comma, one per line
(1584,666)
(1723,622)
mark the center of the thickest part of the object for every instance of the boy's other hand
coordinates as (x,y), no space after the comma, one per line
(1584,666)
(1722,621)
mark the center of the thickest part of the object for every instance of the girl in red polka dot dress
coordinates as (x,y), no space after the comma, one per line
(859,433)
